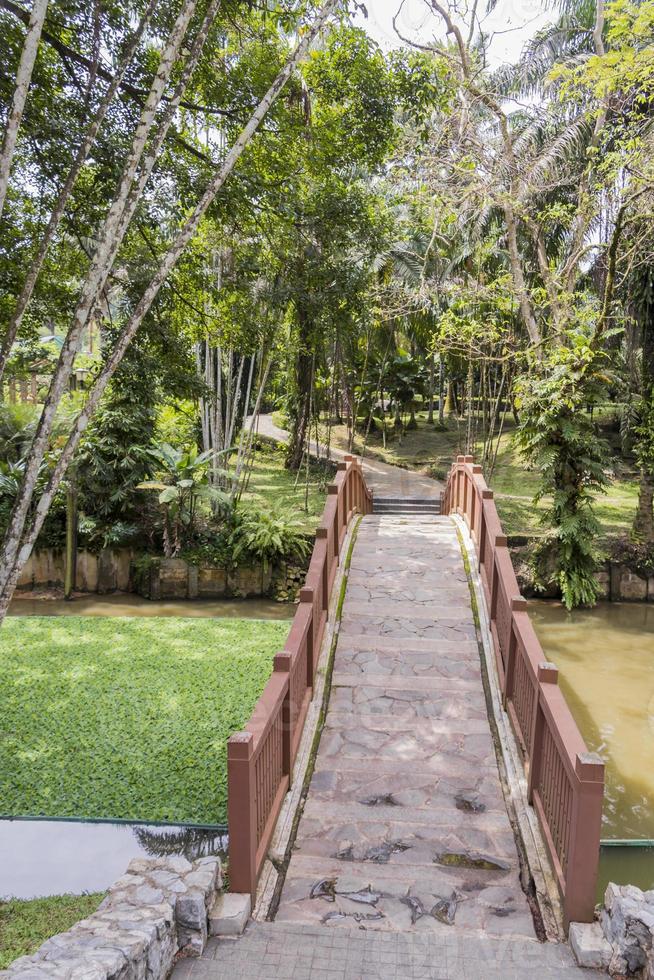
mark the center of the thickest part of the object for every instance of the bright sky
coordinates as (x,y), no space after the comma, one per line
(511,23)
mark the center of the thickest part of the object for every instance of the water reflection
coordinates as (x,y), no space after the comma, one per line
(125,604)
(48,857)
(191,842)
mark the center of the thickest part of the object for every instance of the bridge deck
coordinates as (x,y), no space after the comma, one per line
(405,819)
(405,863)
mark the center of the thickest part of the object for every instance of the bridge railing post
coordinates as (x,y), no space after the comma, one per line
(242,814)
(585,832)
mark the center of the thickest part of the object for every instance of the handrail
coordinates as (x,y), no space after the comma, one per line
(260,759)
(565,781)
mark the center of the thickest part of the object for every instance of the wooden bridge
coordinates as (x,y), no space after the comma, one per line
(404,824)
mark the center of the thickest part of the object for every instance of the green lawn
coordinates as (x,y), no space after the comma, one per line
(126,718)
(273,487)
(24,925)
(432,450)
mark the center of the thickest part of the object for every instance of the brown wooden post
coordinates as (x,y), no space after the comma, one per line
(242,814)
(290,712)
(585,829)
(481,544)
(475,505)
(332,491)
(307,595)
(499,542)
(547,674)
(518,605)
(348,489)
(322,534)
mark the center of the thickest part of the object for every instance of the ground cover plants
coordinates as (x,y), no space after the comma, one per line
(26,923)
(126,718)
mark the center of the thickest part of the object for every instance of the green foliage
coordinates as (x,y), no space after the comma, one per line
(268,536)
(26,923)
(128,719)
(559,439)
(644,432)
(637,555)
(185,486)
(271,485)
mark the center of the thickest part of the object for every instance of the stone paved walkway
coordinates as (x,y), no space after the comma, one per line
(405,864)
(382,478)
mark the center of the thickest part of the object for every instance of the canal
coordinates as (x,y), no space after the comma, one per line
(126,604)
(605,656)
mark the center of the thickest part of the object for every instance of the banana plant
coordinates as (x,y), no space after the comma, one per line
(183,487)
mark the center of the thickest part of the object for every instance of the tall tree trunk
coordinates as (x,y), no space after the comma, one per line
(66,188)
(23,78)
(70,568)
(98,273)
(430,410)
(19,539)
(644,519)
(303,383)
(441,394)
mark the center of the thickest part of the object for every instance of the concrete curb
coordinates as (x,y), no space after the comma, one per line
(278,852)
(514,784)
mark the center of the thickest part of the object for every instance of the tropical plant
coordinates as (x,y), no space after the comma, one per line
(267,537)
(558,437)
(182,489)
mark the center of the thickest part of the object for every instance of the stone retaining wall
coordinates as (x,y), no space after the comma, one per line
(617,582)
(108,571)
(159,908)
(161,578)
(627,921)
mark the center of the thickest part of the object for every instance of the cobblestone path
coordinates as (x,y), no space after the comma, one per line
(405,863)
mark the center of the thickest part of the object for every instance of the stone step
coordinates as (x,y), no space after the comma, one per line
(441,826)
(404,898)
(452,687)
(229,914)
(409,501)
(406,509)
(399,796)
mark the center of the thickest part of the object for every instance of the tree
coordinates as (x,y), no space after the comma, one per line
(543,179)
(147,139)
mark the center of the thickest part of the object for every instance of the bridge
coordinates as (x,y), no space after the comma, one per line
(411,797)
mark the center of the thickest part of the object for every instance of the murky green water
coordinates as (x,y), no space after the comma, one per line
(605,657)
(123,604)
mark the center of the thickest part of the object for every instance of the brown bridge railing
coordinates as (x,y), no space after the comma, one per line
(260,758)
(565,781)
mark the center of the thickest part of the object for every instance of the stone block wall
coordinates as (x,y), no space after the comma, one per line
(617,582)
(174,578)
(156,910)
(108,571)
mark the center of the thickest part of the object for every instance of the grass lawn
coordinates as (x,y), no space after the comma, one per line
(272,487)
(25,924)
(430,449)
(126,718)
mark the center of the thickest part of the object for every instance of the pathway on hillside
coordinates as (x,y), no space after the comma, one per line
(382,478)
(405,864)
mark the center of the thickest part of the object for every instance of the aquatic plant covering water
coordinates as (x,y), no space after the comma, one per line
(126,718)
